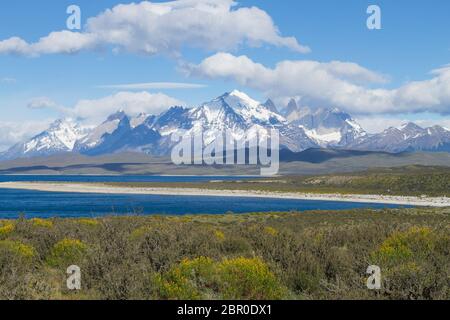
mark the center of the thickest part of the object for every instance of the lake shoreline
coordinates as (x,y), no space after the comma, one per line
(102,189)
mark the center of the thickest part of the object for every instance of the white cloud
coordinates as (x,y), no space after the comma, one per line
(15,132)
(132,103)
(41,103)
(336,84)
(56,42)
(46,103)
(151,28)
(153,85)
(94,111)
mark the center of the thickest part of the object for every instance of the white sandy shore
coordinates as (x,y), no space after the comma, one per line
(103,189)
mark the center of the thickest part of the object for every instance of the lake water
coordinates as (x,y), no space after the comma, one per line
(39,204)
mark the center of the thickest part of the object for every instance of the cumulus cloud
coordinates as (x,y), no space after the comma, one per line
(153,85)
(94,111)
(337,84)
(151,28)
(67,42)
(132,103)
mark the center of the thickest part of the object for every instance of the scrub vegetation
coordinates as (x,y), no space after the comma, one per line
(291,255)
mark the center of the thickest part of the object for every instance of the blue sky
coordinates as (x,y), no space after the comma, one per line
(413,41)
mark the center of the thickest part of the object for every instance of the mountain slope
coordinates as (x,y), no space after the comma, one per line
(300,128)
(97,135)
(236,112)
(328,127)
(408,137)
(60,137)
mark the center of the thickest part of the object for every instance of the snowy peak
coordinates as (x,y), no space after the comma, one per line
(408,137)
(300,127)
(329,127)
(411,129)
(96,136)
(60,137)
(236,107)
(62,134)
(237,98)
(252,110)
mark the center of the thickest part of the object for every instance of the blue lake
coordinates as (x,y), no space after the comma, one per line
(32,204)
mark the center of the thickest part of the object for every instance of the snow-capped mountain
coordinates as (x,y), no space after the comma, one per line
(242,115)
(97,135)
(300,128)
(120,133)
(328,127)
(234,111)
(60,137)
(408,137)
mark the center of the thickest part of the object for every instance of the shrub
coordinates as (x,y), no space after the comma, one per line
(250,279)
(42,223)
(402,247)
(67,252)
(411,264)
(202,278)
(18,248)
(140,232)
(219,235)
(189,280)
(6,228)
(88,222)
(271,231)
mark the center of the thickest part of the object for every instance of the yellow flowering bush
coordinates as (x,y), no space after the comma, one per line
(202,278)
(219,235)
(88,222)
(67,252)
(6,228)
(18,248)
(406,258)
(271,231)
(186,280)
(404,246)
(42,223)
(249,279)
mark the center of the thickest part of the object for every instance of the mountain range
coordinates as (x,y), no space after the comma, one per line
(300,128)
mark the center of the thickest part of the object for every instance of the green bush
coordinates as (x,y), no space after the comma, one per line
(18,249)
(238,278)
(67,252)
(6,228)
